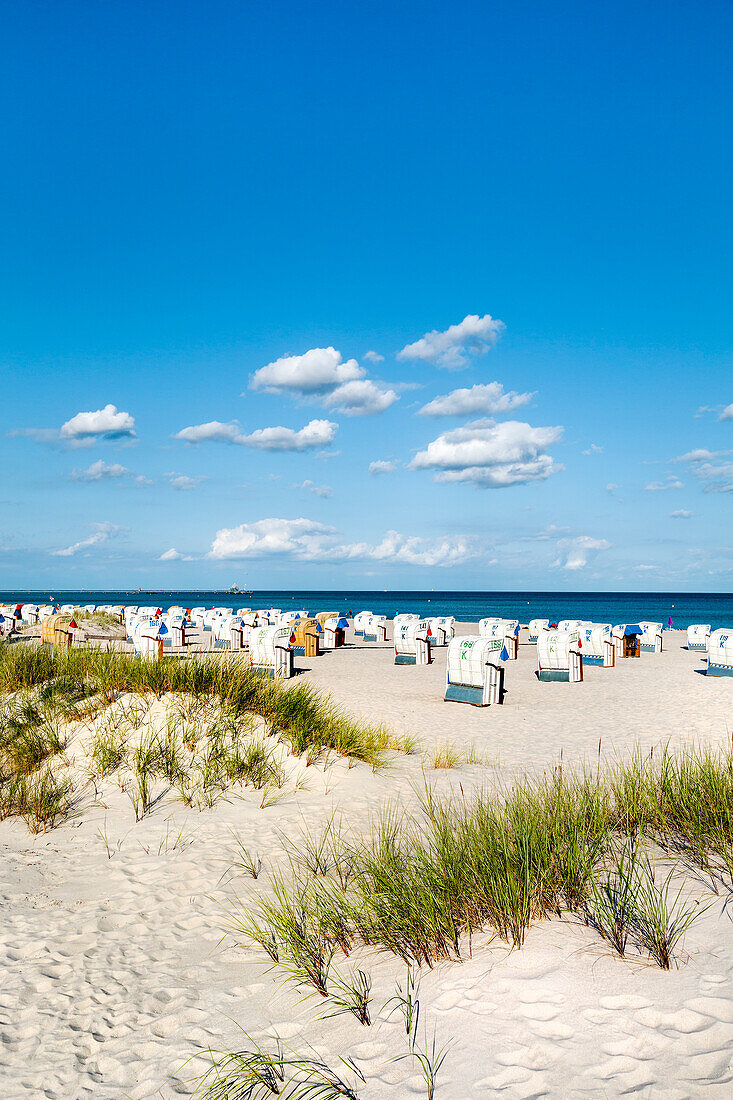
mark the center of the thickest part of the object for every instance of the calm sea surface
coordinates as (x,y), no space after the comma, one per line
(614,607)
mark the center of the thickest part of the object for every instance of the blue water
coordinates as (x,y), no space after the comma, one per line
(614,607)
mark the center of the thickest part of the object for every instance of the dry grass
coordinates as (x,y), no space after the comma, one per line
(447,756)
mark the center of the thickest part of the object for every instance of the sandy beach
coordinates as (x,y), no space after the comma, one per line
(345,349)
(117,970)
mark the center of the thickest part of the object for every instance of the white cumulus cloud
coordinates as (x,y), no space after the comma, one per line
(317,433)
(486,399)
(316,370)
(576,553)
(321,375)
(412,550)
(212,431)
(360,398)
(299,538)
(101,471)
(175,555)
(317,490)
(106,423)
(715,475)
(183,483)
(702,454)
(681,513)
(381,466)
(451,349)
(491,455)
(727,413)
(102,532)
(373,356)
(670,482)
(306,540)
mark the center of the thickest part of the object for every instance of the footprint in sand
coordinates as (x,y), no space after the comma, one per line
(415,1086)
(554,1031)
(504,1079)
(446,1001)
(145,1089)
(287,1029)
(165,1026)
(628,1003)
(614,1067)
(709,1066)
(540,994)
(683,1020)
(524,1058)
(110,924)
(538,1011)
(714,979)
(479,1007)
(715,1007)
(640,1047)
(367,1051)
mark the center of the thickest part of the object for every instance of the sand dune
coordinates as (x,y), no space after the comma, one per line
(114,976)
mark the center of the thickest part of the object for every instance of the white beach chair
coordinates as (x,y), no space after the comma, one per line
(597,645)
(536,626)
(698,637)
(270,653)
(474,672)
(359,620)
(400,620)
(411,645)
(559,656)
(149,635)
(374,628)
(651,638)
(505,629)
(333,631)
(442,629)
(720,652)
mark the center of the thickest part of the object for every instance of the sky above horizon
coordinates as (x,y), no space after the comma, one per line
(398,296)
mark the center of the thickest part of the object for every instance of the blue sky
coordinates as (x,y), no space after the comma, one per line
(249,251)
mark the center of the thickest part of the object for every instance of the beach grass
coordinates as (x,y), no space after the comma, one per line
(255,1073)
(447,756)
(28,736)
(209,741)
(99,618)
(422,885)
(298,713)
(42,798)
(107,748)
(350,993)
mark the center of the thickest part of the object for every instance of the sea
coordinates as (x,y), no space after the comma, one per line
(683,609)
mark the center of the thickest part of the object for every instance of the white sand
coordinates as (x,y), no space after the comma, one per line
(113,974)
